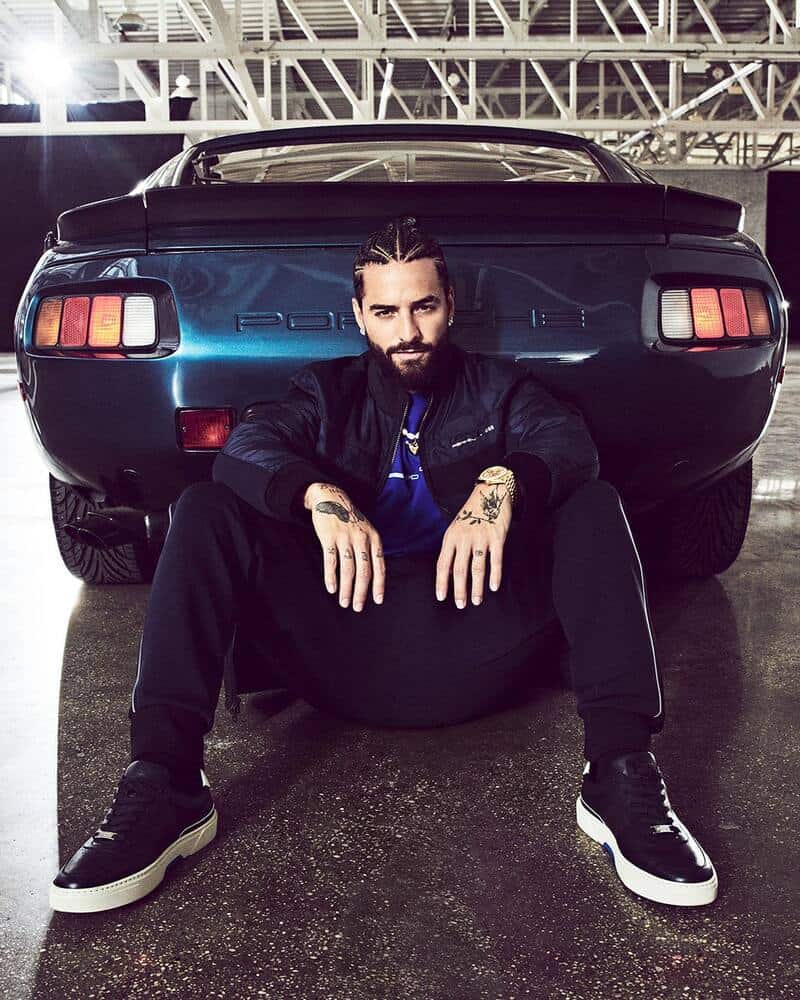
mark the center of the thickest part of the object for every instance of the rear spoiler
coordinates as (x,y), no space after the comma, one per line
(689,211)
(116,223)
(459,212)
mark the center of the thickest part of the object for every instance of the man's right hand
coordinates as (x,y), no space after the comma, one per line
(348,541)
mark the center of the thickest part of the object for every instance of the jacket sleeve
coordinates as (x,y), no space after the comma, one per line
(548,447)
(270,461)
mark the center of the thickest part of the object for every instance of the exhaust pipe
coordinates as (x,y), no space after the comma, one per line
(107,527)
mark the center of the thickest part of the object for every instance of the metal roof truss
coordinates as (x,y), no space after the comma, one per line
(694,82)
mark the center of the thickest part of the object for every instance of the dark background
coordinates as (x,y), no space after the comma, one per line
(42,176)
(783,211)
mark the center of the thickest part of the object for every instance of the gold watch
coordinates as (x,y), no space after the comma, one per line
(499,475)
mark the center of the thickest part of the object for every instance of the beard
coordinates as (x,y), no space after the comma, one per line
(422,374)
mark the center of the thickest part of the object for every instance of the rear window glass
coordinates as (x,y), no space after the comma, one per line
(400,161)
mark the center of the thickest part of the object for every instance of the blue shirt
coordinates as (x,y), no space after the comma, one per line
(407,517)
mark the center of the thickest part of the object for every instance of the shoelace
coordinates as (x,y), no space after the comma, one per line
(130,799)
(647,797)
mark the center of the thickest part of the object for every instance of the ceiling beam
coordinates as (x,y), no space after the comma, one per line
(718,37)
(330,65)
(552,48)
(415,41)
(219,126)
(223,68)
(738,74)
(221,26)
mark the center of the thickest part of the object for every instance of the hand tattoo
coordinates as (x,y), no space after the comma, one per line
(491,503)
(345,515)
(332,507)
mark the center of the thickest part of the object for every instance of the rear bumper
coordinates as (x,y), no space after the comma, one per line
(663,425)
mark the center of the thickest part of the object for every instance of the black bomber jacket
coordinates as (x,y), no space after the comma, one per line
(341,420)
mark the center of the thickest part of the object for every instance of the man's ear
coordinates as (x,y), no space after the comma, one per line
(357,314)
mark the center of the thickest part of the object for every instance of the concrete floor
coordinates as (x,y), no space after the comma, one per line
(413,865)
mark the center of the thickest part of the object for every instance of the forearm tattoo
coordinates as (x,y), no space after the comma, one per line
(490,502)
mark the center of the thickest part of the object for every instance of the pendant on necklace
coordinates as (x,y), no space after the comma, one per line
(413,446)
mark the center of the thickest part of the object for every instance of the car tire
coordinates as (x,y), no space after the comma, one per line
(131,563)
(700,535)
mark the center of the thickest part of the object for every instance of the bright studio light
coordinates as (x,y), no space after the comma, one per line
(45,66)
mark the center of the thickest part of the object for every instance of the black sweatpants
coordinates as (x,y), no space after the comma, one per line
(412,660)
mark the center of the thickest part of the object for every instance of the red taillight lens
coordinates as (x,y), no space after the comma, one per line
(706,313)
(759,314)
(105,325)
(204,429)
(735,314)
(75,321)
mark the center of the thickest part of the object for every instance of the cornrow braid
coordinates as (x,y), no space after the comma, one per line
(399,239)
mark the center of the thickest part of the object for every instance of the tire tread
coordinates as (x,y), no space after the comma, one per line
(704,532)
(118,565)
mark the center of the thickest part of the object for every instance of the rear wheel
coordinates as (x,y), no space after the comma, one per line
(129,563)
(700,535)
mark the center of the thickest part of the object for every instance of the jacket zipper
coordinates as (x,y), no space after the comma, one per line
(424,462)
(385,476)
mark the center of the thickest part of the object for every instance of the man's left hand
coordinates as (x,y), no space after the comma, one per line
(477,533)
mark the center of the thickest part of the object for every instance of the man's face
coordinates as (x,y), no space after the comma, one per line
(404,314)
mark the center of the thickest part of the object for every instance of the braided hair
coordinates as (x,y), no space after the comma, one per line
(399,239)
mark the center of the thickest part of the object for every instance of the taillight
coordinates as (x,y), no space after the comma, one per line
(96,321)
(733,310)
(676,315)
(139,325)
(204,429)
(713,313)
(74,321)
(757,307)
(106,321)
(48,322)
(706,313)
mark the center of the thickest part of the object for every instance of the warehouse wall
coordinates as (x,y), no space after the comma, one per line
(746,186)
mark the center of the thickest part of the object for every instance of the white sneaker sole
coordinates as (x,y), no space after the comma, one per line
(638,880)
(132,887)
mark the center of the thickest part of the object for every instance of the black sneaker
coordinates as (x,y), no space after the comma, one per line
(148,825)
(625,808)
